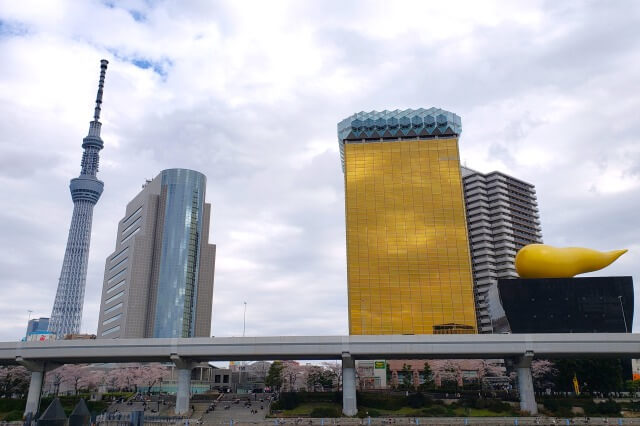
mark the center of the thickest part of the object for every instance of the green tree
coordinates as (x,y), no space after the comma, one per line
(274,376)
(427,377)
(406,377)
(632,385)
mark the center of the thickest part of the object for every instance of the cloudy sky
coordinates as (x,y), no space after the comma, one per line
(249,93)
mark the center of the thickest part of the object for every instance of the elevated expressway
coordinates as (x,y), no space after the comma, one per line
(39,357)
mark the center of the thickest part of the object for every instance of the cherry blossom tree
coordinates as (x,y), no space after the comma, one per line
(290,374)
(14,381)
(544,373)
(68,377)
(319,377)
(336,369)
(94,379)
(112,380)
(122,378)
(491,369)
(149,374)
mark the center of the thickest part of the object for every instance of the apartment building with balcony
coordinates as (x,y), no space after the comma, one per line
(502,217)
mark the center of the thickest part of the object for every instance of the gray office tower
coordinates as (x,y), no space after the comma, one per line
(502,217)
(85,193)
(158,282)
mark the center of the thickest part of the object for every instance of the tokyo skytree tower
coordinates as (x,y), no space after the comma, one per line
(85,192)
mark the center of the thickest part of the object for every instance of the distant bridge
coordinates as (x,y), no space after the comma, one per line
(184,353)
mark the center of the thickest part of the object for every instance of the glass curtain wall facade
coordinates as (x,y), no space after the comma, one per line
(182,231)
(408,263)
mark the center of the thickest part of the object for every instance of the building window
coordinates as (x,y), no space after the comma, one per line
(113,308)
(120,253)
(116,276)
(128,237)
(124,222)
(112,319)
(111,330)
(111,299)
(117,286)
(117,265)
(128,228)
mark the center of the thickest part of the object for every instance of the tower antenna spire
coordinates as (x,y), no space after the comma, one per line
(103,71)
(86,189)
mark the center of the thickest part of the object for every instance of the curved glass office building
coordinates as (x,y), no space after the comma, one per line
(159,280)
(179,260)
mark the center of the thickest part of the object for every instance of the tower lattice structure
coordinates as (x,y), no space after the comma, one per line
(85,193)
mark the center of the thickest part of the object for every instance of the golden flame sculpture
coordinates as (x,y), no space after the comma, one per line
(544,261)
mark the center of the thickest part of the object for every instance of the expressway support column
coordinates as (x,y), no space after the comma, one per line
(38,370)
(349,404)
(525,383)
(184,367)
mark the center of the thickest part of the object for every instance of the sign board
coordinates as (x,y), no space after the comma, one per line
(40,336)
(380,365)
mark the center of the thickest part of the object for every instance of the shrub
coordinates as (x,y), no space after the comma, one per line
(324,412)
(12,404)
(559,407)
(364,413)
(470,401)
(609,407)
(416,400)
(499,406)
(108,395)
(287,401)
(319,396)
(14,415)
(382,401)
(435,411)
(491,404)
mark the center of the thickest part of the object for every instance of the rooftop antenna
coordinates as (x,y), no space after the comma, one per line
(103,71)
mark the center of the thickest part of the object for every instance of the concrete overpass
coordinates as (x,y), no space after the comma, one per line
(39,357)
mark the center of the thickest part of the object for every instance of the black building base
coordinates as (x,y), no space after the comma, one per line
(568,305)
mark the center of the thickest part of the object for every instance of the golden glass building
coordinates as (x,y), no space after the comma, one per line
(408,262)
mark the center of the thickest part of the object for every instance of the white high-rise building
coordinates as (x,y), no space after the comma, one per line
(502,217)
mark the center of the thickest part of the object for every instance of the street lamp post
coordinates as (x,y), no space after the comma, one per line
(244,319)
(624,318)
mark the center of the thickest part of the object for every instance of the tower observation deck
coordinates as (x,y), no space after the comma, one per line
(85,193)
